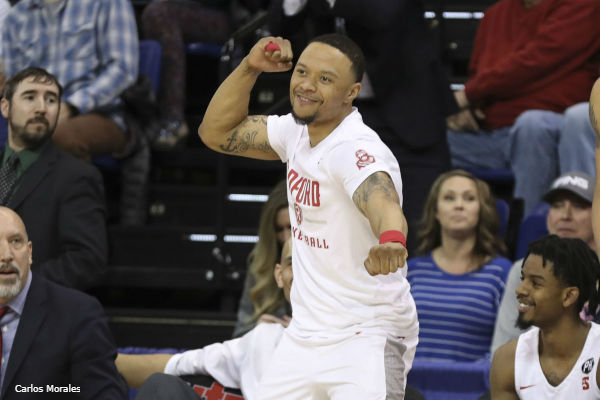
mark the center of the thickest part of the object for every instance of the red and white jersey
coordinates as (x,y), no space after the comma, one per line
(580,384)
(333,296)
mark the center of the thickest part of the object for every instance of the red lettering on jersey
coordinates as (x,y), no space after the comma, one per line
(298,213)
(325,244)
(306,240)
(316,196)
(294,230)
(305,190)
(312,242)
(292,175)
(296,186)
(306,198)
(585,383)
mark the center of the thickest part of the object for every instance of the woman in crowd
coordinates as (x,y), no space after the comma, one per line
(262,299)
(458,281)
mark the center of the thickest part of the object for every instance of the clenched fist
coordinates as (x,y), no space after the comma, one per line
(385,258)
(267,60)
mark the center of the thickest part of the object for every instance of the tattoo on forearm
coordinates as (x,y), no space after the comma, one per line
(377,182)
(594,122)
(244,138)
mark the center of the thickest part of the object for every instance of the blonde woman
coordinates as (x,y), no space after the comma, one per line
(262,299)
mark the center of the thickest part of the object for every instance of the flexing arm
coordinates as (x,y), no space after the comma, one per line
(502,373)
(136,368)
(377,199)
(226,126)
(595,120)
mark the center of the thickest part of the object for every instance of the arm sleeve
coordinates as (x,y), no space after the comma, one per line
(567,38)
(118,49)
(222,361)
(82,258)
(93,353)
(505,329)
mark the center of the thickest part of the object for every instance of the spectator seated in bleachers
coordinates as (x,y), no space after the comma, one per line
(236,363)
(261,298)
(173,23)
(531,60)
(60,198)
(458,282)
(569,216)
(92,48)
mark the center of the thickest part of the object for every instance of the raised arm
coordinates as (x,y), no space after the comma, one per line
(502,373)
(377,199)
(226,126)
(595,120)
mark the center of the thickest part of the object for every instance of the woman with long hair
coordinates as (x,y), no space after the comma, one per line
(457,282)
(262,299)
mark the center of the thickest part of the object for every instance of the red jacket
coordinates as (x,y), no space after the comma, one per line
(539,58)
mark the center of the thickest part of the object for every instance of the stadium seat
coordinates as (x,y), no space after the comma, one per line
(450,380)
(532,227)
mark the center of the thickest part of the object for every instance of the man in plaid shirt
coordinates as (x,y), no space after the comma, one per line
(91,46)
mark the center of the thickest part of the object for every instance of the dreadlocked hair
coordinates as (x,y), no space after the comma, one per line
(574,264)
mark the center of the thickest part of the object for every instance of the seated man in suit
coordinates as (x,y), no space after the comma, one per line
(60,198)
(53,339)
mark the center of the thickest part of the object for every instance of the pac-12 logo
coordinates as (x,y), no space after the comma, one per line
(364,159)
(298,212)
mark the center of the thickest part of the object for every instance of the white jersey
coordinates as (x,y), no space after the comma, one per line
(333,295)
(580,383)
(238,363)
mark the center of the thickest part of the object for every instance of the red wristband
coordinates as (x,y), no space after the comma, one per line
(392,236)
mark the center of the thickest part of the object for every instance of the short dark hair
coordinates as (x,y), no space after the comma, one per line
(574,264)
(347,46)
(39,75)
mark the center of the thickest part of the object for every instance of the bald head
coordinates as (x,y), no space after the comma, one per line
(15,255)
(8,216)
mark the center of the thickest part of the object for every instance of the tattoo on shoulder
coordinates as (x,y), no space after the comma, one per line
(244,138)
(594,122)
(377,182)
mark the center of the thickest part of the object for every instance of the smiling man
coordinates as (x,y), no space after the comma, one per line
(60,198)
(355,328)
(558,358)
(570,216)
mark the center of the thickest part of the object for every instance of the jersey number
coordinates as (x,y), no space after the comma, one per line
(585,383)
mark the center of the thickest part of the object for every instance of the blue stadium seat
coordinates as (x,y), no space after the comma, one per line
(504,213)
(450,380)
(204,49)
(532,227)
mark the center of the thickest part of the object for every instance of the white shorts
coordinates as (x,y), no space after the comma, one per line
(365,367)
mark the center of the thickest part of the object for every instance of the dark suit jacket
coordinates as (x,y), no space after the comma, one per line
(61,202)
(62,338)
(412,91)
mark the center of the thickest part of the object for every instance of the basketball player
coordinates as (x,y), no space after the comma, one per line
(558,358)
(354,330)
